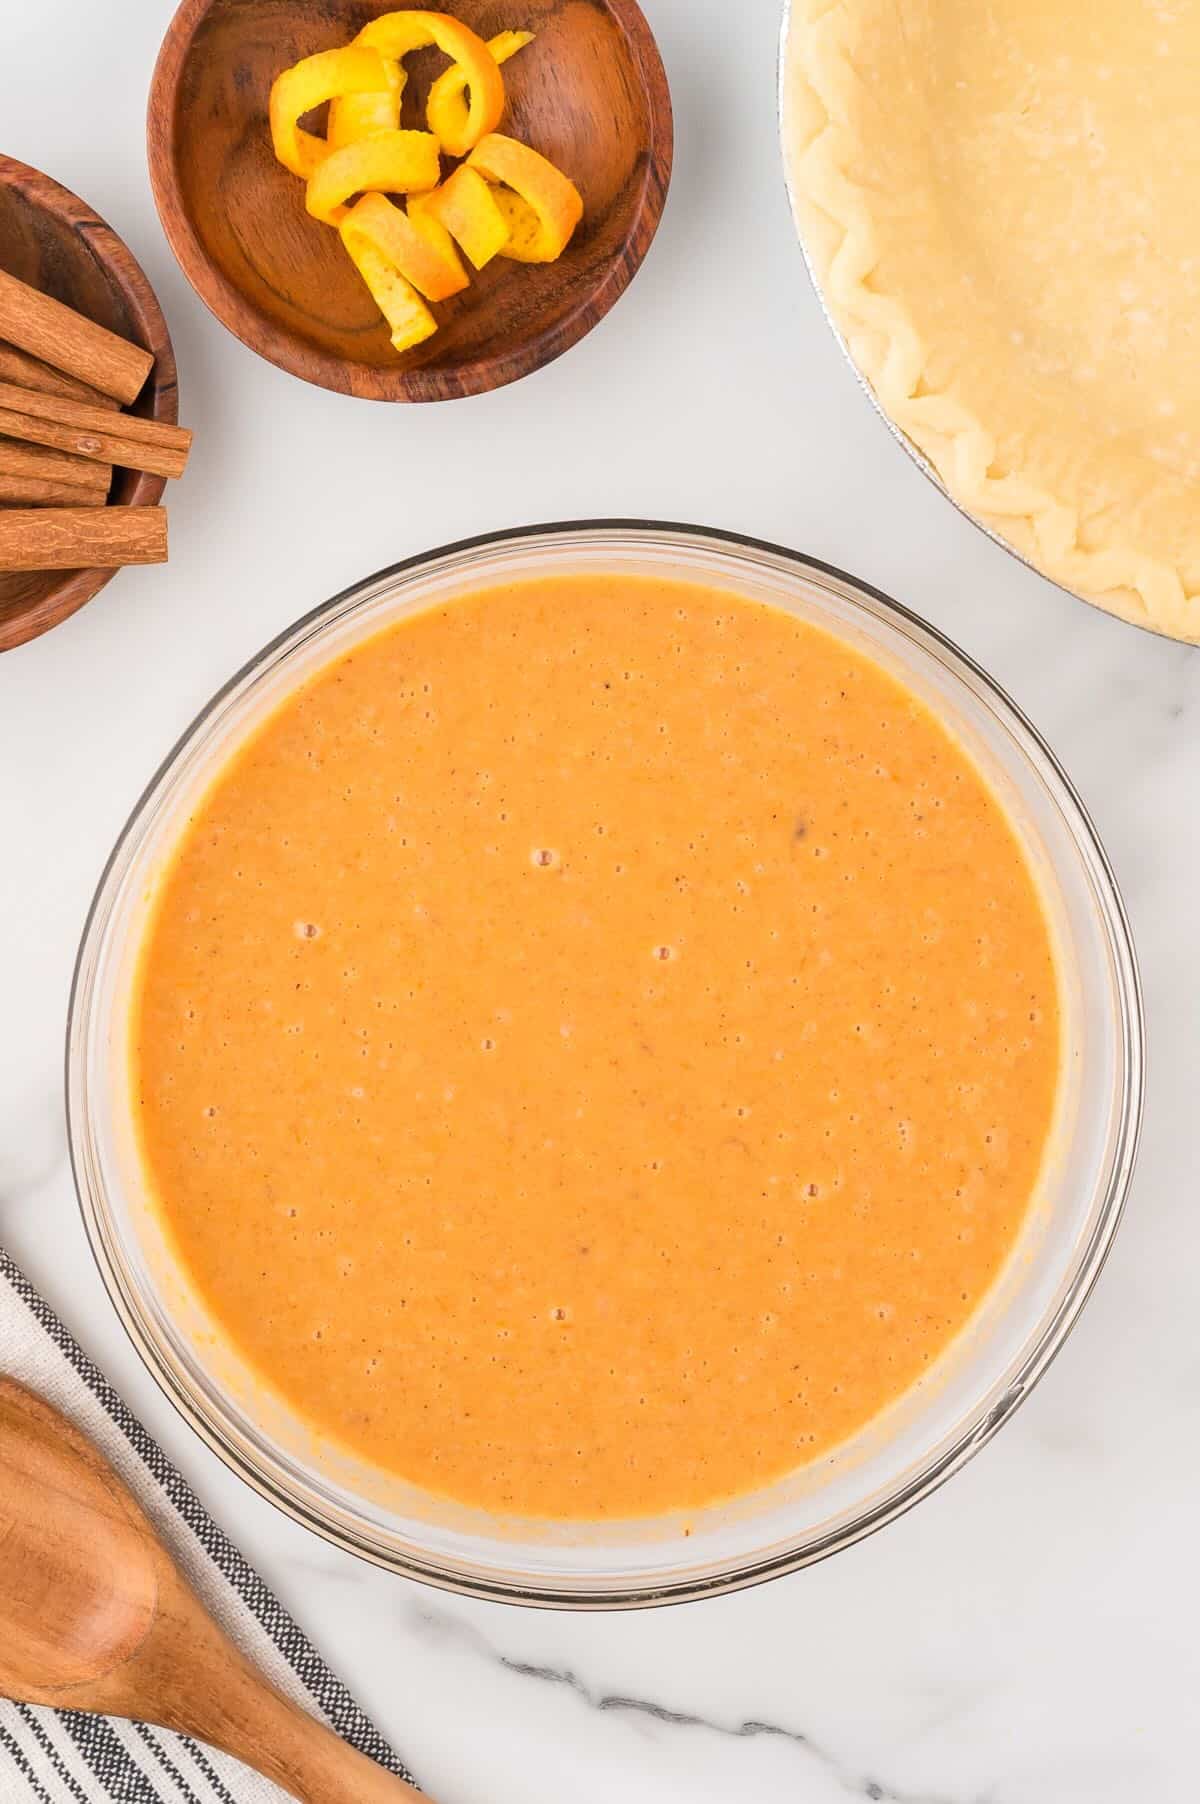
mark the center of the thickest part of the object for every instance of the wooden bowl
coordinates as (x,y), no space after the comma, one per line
(590,93)
(53,240)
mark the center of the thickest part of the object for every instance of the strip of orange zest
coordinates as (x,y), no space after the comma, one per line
(390,162)
(550,196)
(523,239)
(446,114)
(466,207)
(408,318)
(396,34)
(421,250)
(357,69)
(355,116)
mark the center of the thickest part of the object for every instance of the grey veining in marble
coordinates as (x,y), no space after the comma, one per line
(442,1627)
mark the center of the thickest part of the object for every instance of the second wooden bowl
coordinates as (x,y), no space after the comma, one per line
(53,240)
(590,93)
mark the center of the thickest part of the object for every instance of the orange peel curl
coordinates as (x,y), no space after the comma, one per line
(356,69)
(390,162)
(409,319)
(447,112)
(421,249)
(394,35)
(541,206)
(354,116)
(465,206)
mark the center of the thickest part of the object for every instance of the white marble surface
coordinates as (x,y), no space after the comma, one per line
(1028,1635)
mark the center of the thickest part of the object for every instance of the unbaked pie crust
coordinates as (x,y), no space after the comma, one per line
(1000,200)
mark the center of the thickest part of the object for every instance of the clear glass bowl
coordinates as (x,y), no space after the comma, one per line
(918,1442)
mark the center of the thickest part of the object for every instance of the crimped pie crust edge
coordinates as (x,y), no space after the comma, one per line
(883,341)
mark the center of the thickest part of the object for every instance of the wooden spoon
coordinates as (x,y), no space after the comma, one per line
(95,1615)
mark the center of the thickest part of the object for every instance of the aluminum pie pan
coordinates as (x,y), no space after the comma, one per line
(901,437)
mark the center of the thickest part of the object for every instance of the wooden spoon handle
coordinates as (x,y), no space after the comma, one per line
(95,1615)
(264,1730)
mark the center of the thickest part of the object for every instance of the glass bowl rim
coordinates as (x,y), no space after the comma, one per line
(205,1418)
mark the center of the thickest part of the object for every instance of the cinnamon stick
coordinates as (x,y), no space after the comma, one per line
(30,372)
(39,491)
(34,461)
(89,419)
(67,341)
(80,538)
(114,447)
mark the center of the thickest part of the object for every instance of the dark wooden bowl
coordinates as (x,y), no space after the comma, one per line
(590,93)
(53,240)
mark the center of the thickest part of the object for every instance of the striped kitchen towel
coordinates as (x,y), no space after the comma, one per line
(67,1757)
